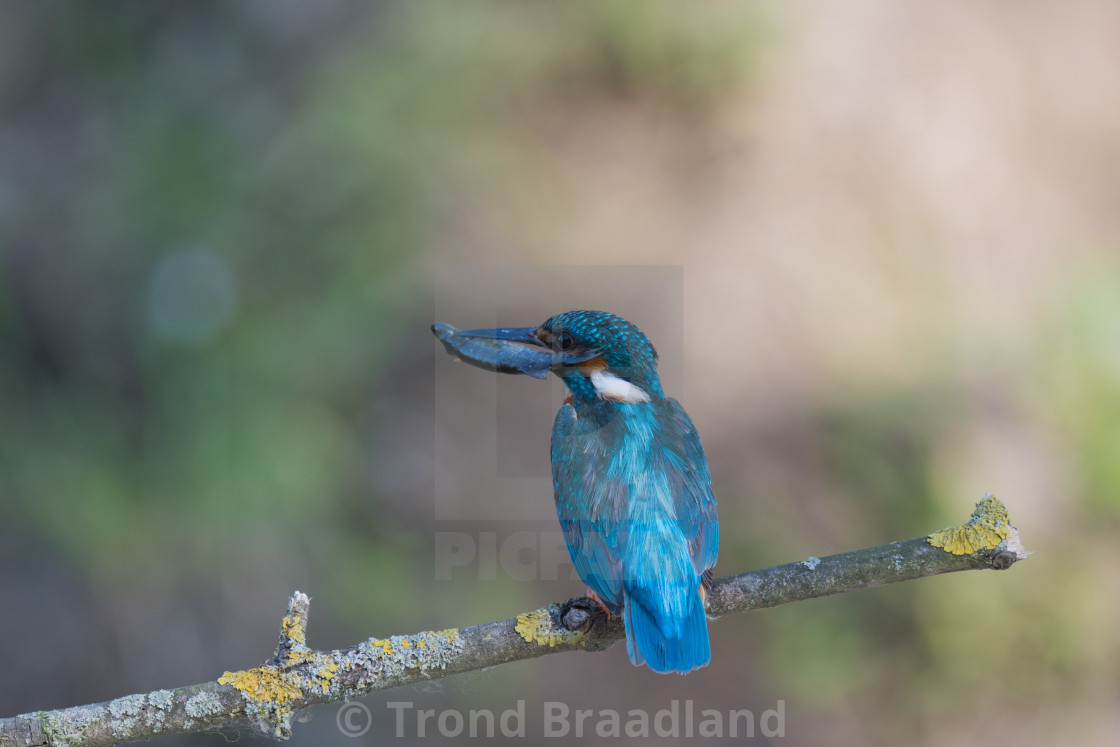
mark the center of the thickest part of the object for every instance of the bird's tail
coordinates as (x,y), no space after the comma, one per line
(666,627)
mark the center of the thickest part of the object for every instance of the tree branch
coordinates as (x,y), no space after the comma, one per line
(298,677)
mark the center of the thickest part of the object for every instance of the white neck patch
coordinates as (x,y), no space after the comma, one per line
(609,386)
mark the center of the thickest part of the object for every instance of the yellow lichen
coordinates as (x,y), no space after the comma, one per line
(294,639)
(298,656)
(988,527)
(293,629)
(326,674)
(266,686)
(536,627)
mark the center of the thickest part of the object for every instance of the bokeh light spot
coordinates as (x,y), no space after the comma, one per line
(192,295)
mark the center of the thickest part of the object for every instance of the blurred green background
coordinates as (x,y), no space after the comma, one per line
(224,228)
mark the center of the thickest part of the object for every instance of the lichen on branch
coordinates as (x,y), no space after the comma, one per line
(298,676)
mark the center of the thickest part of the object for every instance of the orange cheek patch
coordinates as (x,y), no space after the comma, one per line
(596,364)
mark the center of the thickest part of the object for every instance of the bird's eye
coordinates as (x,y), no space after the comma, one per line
(564,341)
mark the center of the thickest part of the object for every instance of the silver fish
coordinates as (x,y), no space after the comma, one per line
(496,353)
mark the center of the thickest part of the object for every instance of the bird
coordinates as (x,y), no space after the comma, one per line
(631,481)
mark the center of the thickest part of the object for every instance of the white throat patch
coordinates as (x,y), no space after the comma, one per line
(609,386)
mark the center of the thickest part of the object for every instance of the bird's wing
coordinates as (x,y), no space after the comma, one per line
(686,468)
(595,539)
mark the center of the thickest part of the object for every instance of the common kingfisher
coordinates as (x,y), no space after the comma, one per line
(631,480)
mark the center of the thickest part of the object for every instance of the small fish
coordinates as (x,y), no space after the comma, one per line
(510,351)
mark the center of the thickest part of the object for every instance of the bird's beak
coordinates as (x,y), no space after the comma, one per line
(527,336)
(523,335)
(507,349)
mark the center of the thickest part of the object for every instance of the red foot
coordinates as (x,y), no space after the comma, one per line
(595,598)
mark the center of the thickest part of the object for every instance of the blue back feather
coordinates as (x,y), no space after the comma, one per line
(634,497)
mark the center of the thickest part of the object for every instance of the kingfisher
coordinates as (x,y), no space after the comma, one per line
(632,486)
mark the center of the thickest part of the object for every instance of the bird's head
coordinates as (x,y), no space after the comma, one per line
(598,355)
(602,356)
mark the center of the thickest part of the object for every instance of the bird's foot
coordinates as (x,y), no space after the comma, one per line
(595,598)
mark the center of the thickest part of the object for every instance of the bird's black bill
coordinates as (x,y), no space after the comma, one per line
(505,349)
